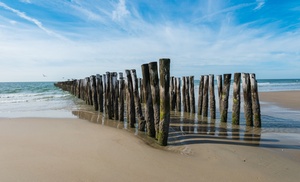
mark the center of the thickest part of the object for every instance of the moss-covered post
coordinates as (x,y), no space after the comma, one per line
(220,87)
(178,95)
(149,115)
(137,102)
(154,82)
(183,94)
(236,99)
(121,96)
(130,100)
(247,99)
(192,95)
(225,96)
(205,97)
(212,99)
(200,95)
(255,101)
(164,72)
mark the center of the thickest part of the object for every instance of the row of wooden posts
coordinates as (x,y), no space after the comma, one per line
(108,94)
(159,93)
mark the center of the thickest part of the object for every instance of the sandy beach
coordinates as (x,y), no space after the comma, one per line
(287,99)
(44,149)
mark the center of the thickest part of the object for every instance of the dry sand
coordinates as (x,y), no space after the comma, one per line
(287,99)
(37,149)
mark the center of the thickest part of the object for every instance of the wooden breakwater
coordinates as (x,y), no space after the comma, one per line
(146,102)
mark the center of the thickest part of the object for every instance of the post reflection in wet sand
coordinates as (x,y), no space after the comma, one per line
(188,129)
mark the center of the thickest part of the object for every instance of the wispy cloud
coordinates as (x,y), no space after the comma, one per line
(121,11)
(25,1)
(213,36)
(30,19)
(260,4)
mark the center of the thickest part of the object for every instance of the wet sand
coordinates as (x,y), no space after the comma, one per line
(44,149)
(287,99)
(39,149)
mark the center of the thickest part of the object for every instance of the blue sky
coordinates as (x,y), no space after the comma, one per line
(78,38)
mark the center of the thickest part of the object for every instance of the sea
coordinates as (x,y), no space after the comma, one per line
(43,99)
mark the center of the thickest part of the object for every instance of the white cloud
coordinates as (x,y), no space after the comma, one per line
(30,19)
(260,4)
(26,1)
(121,11)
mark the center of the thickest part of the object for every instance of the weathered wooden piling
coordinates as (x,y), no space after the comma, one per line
(121,96)
(164,72)
(137,102)
(141,89)
(255,102)
(154,82)
(178,95)
(172,93)
(109,90)
(183,94)
(115,96)
(212,100)
(200,95)
(236,99)
(220,87)
(192,95)
(94,92)
(130,100)
(205,97)
(225,95)
(104,92)
(247,99)
(100,92)
(187,94)
(149,113)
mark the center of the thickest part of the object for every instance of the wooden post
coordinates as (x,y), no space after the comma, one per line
(187,94)
(121,96)
(149,113)
(100,92)
(154,82)
(164,71)
(141,89)
(108,97)
(220,86)
(205,97)
(247,99)
(192,95)
(200,95)
(178,95)
(225,95)
(212,99)
(94,92)
(183,94)
(104,92)
(255,101)
(236,99)
(130,100)
(115,96)
(172,93)
(137,103)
